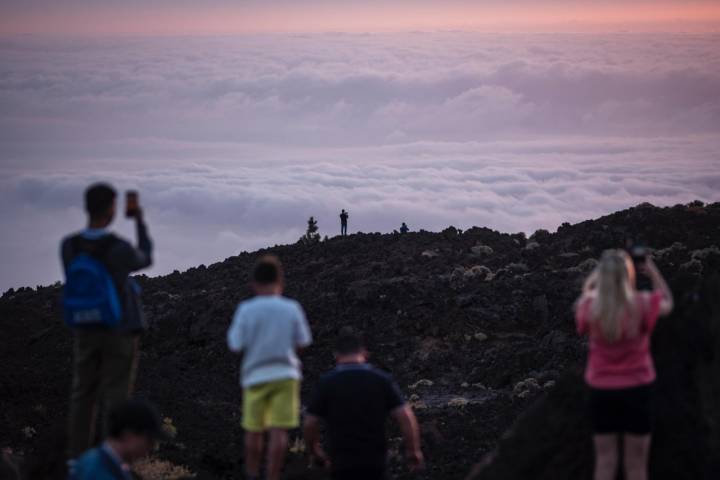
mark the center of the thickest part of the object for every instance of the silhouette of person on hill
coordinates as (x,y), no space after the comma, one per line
(343,222)
(619,320)
(354,400)
(404,228)
(102,305)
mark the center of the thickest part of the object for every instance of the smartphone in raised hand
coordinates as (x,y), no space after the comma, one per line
(132,203)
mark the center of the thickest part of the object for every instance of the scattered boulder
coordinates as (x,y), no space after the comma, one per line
(421,383)
(517,267)
(480,250)
(416,402)
(674,248)
(480,337)
(556,340)
(458,402)
(704,253)
(588,265)
(532,245)
(480,272)
(526,388)
(693,267)
(457,277)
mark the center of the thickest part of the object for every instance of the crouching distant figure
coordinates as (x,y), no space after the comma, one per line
(619,321)
(354,400)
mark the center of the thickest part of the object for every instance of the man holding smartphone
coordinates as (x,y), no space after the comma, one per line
(105,353)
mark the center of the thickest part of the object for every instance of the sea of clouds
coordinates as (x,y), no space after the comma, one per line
(234,141)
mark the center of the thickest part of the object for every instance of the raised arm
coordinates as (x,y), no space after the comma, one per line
(144,243)
(659,284)
(130,258)
(411,435)
(590,283)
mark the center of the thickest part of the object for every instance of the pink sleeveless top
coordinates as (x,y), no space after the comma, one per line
(626,363)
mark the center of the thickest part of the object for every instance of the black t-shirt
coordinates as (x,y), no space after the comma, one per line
(355,400)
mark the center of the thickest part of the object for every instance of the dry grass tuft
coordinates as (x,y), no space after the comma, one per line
(155,469)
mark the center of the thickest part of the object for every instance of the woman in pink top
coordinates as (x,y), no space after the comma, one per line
(619,320)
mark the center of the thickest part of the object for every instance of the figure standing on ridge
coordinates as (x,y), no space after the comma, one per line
(343,222)
(355,400)
(619,320)
(102,306)
(404,228)
(269,330)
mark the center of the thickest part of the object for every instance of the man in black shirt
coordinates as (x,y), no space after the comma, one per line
(354,400)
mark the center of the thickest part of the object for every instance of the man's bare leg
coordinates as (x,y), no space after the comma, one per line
(277,447)
(253,453)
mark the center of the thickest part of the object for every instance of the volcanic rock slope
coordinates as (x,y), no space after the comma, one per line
(476,326)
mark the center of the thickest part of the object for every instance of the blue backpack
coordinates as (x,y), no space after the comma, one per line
(90,297)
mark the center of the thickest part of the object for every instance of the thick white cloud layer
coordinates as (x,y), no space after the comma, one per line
(235,141)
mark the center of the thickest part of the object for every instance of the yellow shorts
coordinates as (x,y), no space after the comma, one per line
(271,405)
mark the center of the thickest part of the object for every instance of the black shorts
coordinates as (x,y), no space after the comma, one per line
(625,410)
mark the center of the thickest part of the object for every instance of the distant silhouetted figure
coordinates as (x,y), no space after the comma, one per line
(619,320)
(404,228)
(133,429)
(354,401)
(102,306)
(343,222)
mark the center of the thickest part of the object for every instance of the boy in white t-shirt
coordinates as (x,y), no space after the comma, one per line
(269,330)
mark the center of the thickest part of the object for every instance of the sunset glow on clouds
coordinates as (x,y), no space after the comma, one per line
(171,17)
(235,140)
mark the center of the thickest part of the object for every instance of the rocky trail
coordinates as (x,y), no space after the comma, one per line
(476,326)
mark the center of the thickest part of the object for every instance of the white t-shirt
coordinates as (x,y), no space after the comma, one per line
(267,329)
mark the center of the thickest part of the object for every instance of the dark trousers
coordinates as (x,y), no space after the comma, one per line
(343,229)
(104,367)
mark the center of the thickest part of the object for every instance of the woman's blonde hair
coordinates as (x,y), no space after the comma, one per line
(615,295)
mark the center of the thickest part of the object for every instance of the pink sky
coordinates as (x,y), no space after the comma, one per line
(235,139)
(81,17)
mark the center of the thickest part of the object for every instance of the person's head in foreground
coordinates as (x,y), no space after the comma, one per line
(100,204)
(350,347)
(619,319)
(268,277)
(354,401)
(133,428)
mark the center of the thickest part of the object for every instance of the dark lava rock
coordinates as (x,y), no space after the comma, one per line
(497,351)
